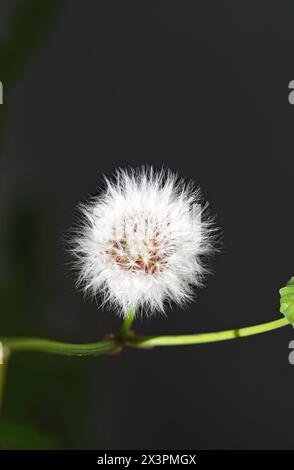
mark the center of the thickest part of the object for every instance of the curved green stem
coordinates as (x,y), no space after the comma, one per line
(181,340)
(102,347)
(56,347)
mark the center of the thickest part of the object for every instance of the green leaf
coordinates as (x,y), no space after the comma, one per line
(287,301)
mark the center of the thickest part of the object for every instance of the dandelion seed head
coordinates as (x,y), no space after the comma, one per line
(142,242)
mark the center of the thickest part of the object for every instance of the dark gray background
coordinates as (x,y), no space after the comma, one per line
(202,88)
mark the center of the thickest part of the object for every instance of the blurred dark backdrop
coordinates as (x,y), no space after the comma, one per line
(202,88)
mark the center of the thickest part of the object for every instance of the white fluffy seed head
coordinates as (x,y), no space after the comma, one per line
(141,243)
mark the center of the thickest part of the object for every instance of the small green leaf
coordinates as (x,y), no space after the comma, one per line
(287,301)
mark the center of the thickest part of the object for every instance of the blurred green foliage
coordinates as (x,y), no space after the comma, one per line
(15,436)
(41,392)
(27,23)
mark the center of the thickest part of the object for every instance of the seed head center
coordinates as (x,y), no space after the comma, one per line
(138,255)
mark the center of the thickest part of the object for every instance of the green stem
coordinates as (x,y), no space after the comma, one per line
(56,347)
(102,347)
(181,340)
(3,369)
(2,383)
(127,322)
